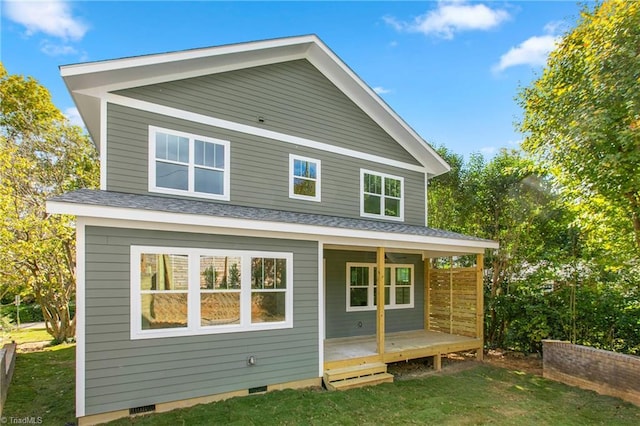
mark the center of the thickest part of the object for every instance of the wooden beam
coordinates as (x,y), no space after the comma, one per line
(480,302)
(451,295)
(437,362)
(427,294)
(380,301)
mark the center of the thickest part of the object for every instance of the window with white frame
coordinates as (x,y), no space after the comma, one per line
(304,178)
(178,291)
(382,195)
(183,163)
(362,286)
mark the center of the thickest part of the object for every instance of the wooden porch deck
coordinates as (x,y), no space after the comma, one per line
(400,346)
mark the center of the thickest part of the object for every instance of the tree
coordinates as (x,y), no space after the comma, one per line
(41,155)
(582,122)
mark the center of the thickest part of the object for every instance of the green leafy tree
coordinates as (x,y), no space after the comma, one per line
(41,155)
(582,123)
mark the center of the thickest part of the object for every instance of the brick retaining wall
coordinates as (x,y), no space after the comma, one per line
(605,372)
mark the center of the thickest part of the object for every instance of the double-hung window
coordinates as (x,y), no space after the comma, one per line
(304,178)
(382,195)
(362,286)
(183,163)
(179,291)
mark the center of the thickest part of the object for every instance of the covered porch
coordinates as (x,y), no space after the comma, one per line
(450,317)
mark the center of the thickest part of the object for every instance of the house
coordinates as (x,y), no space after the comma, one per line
(260,224)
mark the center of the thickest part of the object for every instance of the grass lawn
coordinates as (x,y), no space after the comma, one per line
(43,386)
(26,335)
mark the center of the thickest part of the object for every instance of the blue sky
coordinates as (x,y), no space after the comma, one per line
(451,69)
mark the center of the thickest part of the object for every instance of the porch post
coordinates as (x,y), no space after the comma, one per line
(480,303)
(380,301)
(427,294)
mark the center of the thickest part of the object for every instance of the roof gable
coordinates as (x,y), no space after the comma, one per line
(90,82)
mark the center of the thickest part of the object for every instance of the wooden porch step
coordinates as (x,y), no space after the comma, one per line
(357,376)
(358,382)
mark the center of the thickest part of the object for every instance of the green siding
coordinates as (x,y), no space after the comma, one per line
(340,323)
(293,98)
(122,373)
(259,167)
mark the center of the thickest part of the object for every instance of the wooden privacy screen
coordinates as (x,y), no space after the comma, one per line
(452,299)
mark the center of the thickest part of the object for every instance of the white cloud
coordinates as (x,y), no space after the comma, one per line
(451,17)
(53,49)
(381,90)
(533,51)
(73,116)
(52,17)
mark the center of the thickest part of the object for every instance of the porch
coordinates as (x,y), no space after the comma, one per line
(399,346)
(445,316)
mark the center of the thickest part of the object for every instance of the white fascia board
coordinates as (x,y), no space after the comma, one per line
(184,55)
(234,226)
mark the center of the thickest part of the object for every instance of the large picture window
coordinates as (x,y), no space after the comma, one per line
(304,178)
(177,291)
(182,163)
(381,195)
(362,286)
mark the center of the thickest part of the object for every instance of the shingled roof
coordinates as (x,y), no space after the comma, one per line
(222,210)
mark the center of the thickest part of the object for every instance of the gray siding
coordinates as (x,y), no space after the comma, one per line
(340,323)
(292,97)
(123,373)
(259,168)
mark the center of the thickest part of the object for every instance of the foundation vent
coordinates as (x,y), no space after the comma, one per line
(258,389)
(143,409)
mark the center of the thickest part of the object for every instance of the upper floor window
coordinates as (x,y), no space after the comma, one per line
(382,195)
(182,163)
(183,291)
(304,178)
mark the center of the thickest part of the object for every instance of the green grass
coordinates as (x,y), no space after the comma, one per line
(27,335)
(43,386)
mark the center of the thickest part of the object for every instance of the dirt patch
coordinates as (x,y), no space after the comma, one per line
(32,346)
(455,362)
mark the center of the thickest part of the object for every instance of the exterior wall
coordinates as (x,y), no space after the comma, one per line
(292,97)
(340,323)
(605,372)
(121,373)
(259,168)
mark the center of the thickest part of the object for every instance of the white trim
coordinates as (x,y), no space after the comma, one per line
(225,196)
(103,144)
(194,328)
(80,317)
(371,306)
(146,219)
(145,60)
(255,131)
(317,180)
(382,215)
(321,307)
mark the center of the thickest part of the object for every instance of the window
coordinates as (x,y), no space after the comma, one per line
(304,178)
(362,286)
(177,291)
(381,195)
(182,163)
